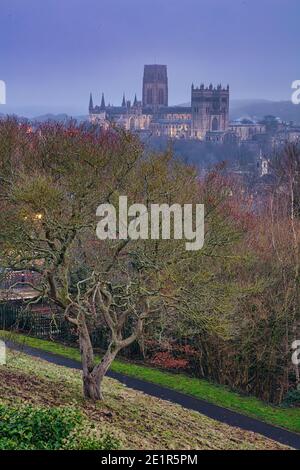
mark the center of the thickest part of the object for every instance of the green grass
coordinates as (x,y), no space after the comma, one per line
(288,418)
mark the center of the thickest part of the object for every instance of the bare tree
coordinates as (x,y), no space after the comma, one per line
(53,179)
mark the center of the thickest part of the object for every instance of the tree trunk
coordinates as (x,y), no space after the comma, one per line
(92,375)
(101,369)
(91,388)
(92,381)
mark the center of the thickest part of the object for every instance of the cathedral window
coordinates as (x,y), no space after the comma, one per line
(149,96)
(161,96)
(215,124)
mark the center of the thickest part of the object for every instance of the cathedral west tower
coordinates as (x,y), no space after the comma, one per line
(210,110)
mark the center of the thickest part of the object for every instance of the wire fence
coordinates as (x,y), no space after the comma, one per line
(46,324)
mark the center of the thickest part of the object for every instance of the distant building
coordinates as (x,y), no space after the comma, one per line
(208,113)
(263,165)
(246,130)
(290,134)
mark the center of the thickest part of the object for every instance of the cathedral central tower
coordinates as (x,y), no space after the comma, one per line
(155,86)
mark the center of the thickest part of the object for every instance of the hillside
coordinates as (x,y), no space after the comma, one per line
(136,420)
(257,109)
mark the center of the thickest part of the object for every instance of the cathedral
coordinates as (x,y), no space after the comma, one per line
(206,119)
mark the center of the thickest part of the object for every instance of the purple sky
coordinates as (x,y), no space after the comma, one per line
(54,52)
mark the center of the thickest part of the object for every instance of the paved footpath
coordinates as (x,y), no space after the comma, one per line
(216,412)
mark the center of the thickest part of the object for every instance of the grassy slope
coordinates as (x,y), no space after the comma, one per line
(137,420)
(286,418)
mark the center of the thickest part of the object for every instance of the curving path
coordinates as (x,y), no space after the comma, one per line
(216,412)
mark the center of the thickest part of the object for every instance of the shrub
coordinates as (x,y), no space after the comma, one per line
(167,361)
(29,428)
(36,428)
(292,399)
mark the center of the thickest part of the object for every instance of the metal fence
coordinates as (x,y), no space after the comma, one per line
(15,317)
(8,315)
(52,326)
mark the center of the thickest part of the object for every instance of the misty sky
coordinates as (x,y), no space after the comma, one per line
(54,52)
